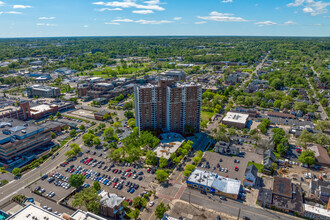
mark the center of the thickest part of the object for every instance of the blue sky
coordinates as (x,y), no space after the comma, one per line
(50,18)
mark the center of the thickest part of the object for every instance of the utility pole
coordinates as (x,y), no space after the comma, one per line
(239,212)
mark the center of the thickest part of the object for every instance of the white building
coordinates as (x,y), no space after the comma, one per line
(237,120)
(313,212)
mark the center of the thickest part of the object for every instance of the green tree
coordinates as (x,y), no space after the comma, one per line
(137,202)
(108,134)
(96,185)
(58,114)
(199,153)
(82,127)
(324,102)
(51,117)
(277,84)
(160,210)
(281,149)
(16,171)
(88,198)
(161,175)
(277,104)
(96,141)
(307,157)
(117,124)
(129,114)
(305,138)
(88,138)
(134,214)
(70,153)
(131,123)
(197,160)
(188,169)
(73,133)
(231,132)
(151,158)
(53,135)
(76,180)
(163,162)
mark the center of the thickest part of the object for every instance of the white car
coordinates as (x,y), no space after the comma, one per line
(151,203)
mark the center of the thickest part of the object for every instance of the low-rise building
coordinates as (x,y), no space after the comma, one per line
(251,176)
(101,115)
(19,139)
(226,148)
(280,115)
(169,143)
(285,196)
(269,159)
(111,205)
(43,91)
(317,213)
(321,154)
(177,75)
(210,182)
(319,190)
(237,120)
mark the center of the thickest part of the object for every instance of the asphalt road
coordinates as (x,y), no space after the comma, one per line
(231,207)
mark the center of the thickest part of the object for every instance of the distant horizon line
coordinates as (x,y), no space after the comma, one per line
(167,36)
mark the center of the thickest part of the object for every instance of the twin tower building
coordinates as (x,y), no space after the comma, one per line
(171,105)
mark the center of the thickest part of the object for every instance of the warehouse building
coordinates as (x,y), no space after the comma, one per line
(212,183)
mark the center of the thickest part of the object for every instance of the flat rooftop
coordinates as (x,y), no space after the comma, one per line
(212,180)
(282,186)
(169,144)
(34,212)
(81,215)
(40,108)
(316,210)
(236,117)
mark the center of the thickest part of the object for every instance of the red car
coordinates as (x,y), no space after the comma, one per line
(236,168)
(130,174)
(128,170)
(148,170)
(298,150)
(114,185)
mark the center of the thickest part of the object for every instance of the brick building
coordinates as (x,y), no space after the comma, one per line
(168,105)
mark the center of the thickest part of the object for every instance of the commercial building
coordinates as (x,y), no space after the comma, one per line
(317,213)
(237,120)
(170,106)
(34,212)
(177,75)
(19,139)
(102,115)
(43,91)
(226,148)
(285,196)
(212,183)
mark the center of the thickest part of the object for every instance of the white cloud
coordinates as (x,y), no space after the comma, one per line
(311,6)
(177,18)
(1,12)
(317,24)
(22,6)
(148,5)
(109,9)
(46,24)
(277,8)
(1,3)
(85,26)
(265,23)
(227,1)
(14,12)
(290,23)
(46,18)
(221,17)
(141,21)
(113,23)
(200,22)
(326,16)
(143,12)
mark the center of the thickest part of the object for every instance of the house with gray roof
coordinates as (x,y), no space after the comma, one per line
(251,175)
(111,205)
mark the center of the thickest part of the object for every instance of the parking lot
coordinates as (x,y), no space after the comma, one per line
(228,162)
(123,179)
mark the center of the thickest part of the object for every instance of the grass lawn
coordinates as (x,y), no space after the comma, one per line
(258,166)
(206,116)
